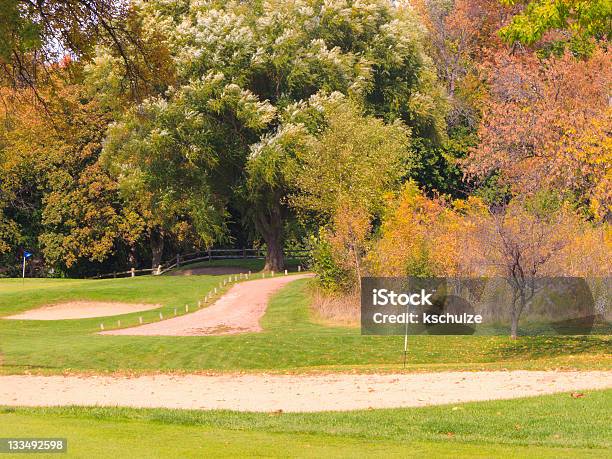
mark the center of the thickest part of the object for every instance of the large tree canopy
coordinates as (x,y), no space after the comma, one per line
(255,59)
(133,130)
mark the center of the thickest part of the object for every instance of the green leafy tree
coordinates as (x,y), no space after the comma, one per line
(280,53)
(356,159)
(174,157)
(573,22)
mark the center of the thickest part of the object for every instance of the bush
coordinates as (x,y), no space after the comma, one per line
(331,276)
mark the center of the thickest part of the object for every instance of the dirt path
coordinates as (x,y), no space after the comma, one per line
(292,393)
(238,311)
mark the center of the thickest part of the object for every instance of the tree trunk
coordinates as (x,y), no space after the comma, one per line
(514,316)
(516,313)
(157,248)
(270,226)
(275,259)
(514,327)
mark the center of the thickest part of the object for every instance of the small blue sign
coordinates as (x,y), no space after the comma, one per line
(27,254)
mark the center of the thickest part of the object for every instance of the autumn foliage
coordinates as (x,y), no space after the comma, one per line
(422,137)
(547,125)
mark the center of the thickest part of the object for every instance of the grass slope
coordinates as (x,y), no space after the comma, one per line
(548,426)
(290,342)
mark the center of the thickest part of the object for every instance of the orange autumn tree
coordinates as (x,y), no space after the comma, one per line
(423,236)
(461,35)
(546,125)
(520,242)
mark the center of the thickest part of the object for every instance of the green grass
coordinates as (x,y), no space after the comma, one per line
(548,426)
(291,342)
(17,296)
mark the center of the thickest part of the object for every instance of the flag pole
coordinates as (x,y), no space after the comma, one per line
(406,337)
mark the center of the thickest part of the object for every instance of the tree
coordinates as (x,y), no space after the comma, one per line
(345,157)
(461,35)
(573,22)
(356,159)
(36,34)
(268,181)
(543,127)
(426,237)
(59,201)
(348,237)
(521,242)
(174,157)
(280,53)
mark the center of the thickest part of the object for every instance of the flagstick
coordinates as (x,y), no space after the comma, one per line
(405,348)
(406,337)
(23,271)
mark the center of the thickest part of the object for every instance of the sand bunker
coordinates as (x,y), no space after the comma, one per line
(238,311)
(297,393)
(82,310)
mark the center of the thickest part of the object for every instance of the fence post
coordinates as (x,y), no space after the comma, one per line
(243,253)
(132,271)
(209,254)
(159,268)
(178,260)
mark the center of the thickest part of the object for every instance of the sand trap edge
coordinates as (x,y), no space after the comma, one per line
(72,310)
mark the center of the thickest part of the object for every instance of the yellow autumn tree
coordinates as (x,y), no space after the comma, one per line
(423,236)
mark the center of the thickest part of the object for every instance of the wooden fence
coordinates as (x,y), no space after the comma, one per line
(205,255)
